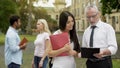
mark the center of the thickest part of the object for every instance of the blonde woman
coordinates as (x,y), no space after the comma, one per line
(41,43)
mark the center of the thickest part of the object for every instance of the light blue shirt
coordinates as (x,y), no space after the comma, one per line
(12,49)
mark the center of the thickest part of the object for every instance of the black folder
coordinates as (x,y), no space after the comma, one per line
(88,52)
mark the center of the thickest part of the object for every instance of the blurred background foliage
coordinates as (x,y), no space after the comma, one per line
(28,13)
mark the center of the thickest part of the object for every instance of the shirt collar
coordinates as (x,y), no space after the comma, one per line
(13,29)
(98,24)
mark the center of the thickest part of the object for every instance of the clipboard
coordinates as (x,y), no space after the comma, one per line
(88,52)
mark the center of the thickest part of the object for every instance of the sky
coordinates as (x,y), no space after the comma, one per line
(50,3)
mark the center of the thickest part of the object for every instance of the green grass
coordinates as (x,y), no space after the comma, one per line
(118,38)
(81,63)
(28,54)
(2,39)
(116,63)
(27,60)
(30,38)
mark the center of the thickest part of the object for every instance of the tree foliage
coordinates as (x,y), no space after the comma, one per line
(109,5)
(24,13)
(36,13)
(27,12)
(7,8)
(41,13)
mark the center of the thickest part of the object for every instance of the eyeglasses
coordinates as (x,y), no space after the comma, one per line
(93,16)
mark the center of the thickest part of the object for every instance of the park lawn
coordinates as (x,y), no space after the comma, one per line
(30,38)
(2,39)
(28,54)
(118,38)
(81,63)
(116,63)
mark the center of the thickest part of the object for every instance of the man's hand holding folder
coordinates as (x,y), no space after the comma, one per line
(23,43)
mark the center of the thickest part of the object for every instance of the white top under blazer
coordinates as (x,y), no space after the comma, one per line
(64,61)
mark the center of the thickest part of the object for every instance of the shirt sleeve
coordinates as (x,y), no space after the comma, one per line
(111,38)
(47,36)
(84,44)
(13,43)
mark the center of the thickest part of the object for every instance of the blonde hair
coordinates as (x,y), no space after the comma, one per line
(46,28)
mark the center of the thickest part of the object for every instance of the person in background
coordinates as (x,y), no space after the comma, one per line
(99,35)
(66,24)
(41,44)
(13,49)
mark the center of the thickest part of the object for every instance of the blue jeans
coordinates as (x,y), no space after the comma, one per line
(37,60)
(13,65)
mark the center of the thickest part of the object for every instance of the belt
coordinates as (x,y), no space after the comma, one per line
(99,59)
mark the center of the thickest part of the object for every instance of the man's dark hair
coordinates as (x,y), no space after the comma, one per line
(13,19)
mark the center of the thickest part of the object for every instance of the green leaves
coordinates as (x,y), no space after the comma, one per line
(27,12)
(109,5)
(7,8)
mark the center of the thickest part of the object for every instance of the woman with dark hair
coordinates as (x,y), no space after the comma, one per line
(66,24)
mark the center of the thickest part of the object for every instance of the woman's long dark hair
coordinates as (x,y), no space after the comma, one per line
(62,25)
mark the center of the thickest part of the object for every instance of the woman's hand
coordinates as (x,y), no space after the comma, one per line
(41,64)
(79,55)
(67,47)
(72,52)
(32,64)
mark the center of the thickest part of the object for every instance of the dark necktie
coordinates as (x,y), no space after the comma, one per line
(91,36)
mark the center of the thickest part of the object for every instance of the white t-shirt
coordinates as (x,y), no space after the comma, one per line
(40,44)
(64,61)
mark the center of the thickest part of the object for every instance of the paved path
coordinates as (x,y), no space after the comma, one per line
(1,51)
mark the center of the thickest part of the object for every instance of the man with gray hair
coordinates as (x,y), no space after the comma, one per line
(99,35)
